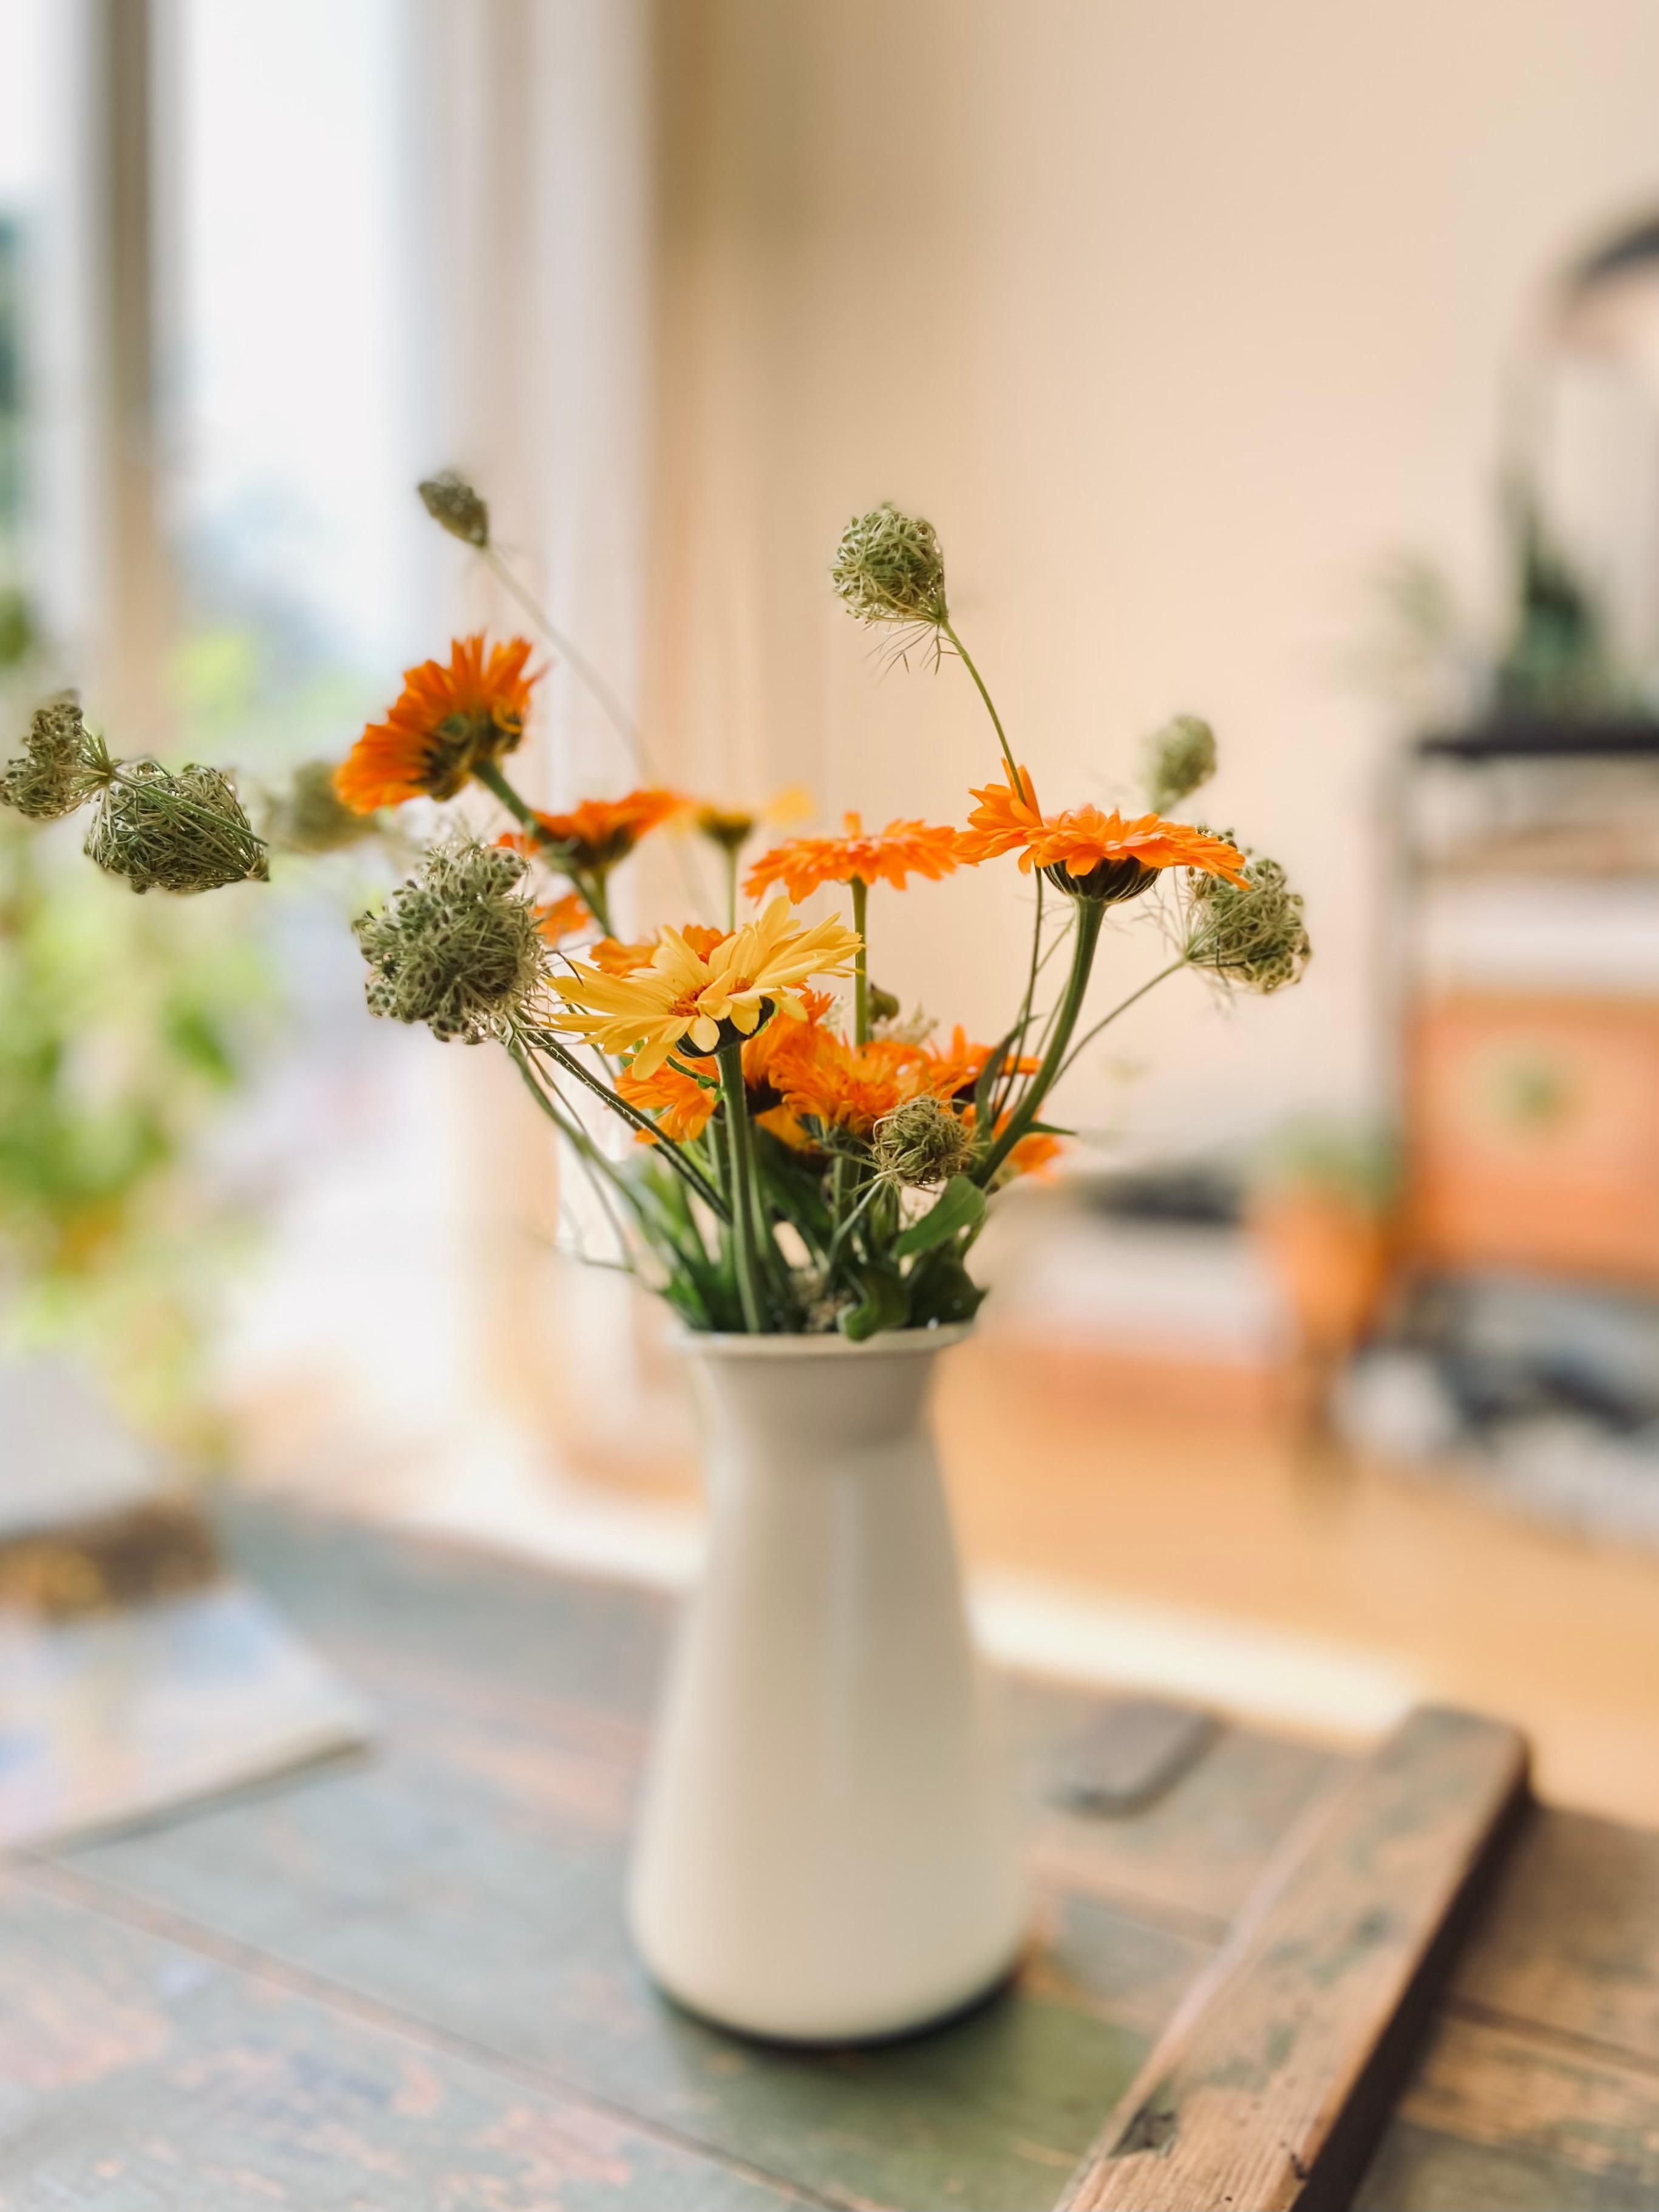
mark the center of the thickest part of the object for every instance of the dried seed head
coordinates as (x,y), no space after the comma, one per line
(309,817)
(182,833)
(1253,939)
(889,569)
(61,765)
(1178,759)
(456,947)
(452,503)
(921,1142)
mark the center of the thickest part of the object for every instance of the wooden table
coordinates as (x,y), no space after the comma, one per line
(402,1983)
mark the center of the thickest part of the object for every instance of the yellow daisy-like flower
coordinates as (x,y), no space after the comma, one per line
(687,1000)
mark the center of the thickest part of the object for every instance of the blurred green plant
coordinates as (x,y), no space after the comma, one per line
(124,1029)
(1351,1161)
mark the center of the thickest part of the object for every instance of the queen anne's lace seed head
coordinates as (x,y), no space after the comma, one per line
(453,504)
(921,1143)
(889,569)
(1253,939)
(456,945)
(60,767)
(183,833)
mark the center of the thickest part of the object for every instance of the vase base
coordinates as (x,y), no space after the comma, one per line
(984,1994)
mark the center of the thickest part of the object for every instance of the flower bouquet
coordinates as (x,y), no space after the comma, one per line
(802,1172)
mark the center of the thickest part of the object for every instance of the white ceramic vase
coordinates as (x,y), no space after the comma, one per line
(827,1851)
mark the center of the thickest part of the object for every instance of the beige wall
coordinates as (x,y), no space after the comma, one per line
(1174,315)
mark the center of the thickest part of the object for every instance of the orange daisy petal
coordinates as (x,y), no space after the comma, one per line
(801,866)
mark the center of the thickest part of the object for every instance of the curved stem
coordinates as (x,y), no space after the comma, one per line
(1091,913)
(576,660)
(1106,1020)
(745,1232)
(1006,1078)
(860,969)
(966,657)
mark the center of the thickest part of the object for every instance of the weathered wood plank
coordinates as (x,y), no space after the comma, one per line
(1269,2088)
(137,2075)
(1516,2120)
(1570,1939)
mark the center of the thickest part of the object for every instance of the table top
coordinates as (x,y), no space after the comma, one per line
(402,1981)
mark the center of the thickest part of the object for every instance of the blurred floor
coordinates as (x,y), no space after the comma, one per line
(1122,1534)
(1225,1518)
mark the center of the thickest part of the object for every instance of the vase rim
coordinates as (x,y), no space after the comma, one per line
(887,1343)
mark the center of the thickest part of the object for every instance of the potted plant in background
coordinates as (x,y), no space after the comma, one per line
(826,1850)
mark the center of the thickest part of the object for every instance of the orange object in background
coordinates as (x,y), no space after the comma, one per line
(1534,1135)
(1330,1256)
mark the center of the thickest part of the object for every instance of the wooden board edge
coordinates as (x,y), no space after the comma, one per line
(1326,2181)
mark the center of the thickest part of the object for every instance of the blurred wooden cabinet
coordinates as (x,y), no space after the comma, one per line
(1528,943)
(1534,1134)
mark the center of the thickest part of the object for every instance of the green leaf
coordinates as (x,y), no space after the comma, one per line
(884,1305)
(960,1205)
(942,1289)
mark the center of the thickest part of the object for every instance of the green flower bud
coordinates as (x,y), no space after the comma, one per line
(889,569)
(309,816)
(1178,759)
(452,503)
(456,945)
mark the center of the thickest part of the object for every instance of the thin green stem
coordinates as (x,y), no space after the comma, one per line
(744,1229)
(860,966)
(967,660)
(1008,1077)
(1106,1020)
(594,1162)
(834,1252)
(730,887)
(544,1041)
(1090,914)
(580,666)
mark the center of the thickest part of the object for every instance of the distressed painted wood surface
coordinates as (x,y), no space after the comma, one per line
(1271,2085)
(240,1999)
(469,1878)
(137,2074)
(1539,2091)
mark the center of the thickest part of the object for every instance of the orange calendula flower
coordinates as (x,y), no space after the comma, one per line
(956,1067)
(850,1087)
(563,917)
(1086,851)
(593,836)
(802,864)
(685,1106)
(447,722)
